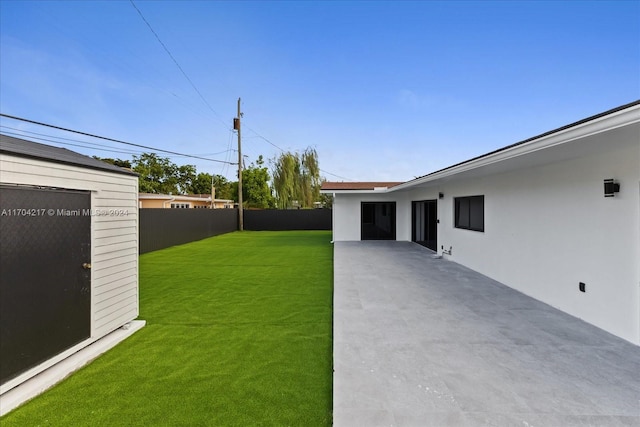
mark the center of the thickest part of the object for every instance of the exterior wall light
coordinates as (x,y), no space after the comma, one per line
(611,187)
(440,195)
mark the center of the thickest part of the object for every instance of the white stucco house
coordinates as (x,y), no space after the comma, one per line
(556,216)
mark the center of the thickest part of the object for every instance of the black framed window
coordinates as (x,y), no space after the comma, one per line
(469,213)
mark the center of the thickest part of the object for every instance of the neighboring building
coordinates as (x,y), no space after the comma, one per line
(191,201)
(68,257)
(556,216)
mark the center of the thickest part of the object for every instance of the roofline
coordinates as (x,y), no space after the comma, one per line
(106,168)
(607,120)
(179,197)
(363,190)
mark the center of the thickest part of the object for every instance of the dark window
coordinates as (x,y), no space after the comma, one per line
(469,213)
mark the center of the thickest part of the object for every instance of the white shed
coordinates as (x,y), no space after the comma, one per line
(68,257)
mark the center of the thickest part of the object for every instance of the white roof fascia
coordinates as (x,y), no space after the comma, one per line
(153,197)
(617,119)
(173,197)
(192,199)
(376,190)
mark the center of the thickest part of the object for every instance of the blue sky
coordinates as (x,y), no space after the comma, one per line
(382,90)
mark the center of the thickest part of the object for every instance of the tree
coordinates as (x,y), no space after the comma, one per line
(326,200)
(116,162)
(224,188)
(285,179)
(157,174)
(296,177)
(185,176)
(256,192)
(201,184)
(310,177)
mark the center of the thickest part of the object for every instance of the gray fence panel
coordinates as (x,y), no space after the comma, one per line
(287,219)
(161,228)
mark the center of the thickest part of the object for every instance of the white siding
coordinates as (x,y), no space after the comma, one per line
(114,232)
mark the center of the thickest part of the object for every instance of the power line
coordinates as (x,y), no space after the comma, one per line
(87,144)
(337,176)
(83,144)
(265,139)
(176,62)
(146,147)
(228,156)
(282,150)
(68,143)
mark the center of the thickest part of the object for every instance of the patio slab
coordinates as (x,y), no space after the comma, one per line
(427,342)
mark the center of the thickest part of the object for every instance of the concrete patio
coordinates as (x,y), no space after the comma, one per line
(427,342)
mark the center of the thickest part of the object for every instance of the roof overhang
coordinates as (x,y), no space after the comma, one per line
(356,187)
(586,138)
(150,196)
(19,147)
(589,136)
(346,191)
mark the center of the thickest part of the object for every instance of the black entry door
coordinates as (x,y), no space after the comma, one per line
(378,221)
(45,294)
(424,228)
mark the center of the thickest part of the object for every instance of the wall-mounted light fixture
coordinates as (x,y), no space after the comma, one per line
(611,187)
(440,195)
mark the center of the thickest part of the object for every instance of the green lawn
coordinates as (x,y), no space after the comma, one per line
(239,332)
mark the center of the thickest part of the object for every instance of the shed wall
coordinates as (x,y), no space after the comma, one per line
(114,231)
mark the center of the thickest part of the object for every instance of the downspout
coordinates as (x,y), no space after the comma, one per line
(333,217)
(164,204)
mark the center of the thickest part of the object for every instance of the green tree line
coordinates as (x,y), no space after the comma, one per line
(293,182)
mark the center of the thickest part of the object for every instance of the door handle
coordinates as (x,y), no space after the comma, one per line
(86,265)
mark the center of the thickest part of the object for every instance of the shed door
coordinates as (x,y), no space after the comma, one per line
(45,293)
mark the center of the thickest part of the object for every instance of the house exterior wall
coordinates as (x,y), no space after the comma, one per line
(151,204)
(144,203)
(347,215)
(114,234)
(547,228)
(166,203)
(223,204)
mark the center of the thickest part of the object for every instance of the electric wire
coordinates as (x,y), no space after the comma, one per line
(47,137)
(31,138)
(228,156)
(176,62)
(23,133)
(146,147)
(282,150)
(265,139)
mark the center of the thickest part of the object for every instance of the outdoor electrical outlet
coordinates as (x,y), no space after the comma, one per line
(582,287)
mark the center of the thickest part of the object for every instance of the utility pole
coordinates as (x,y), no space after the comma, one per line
(236,126)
